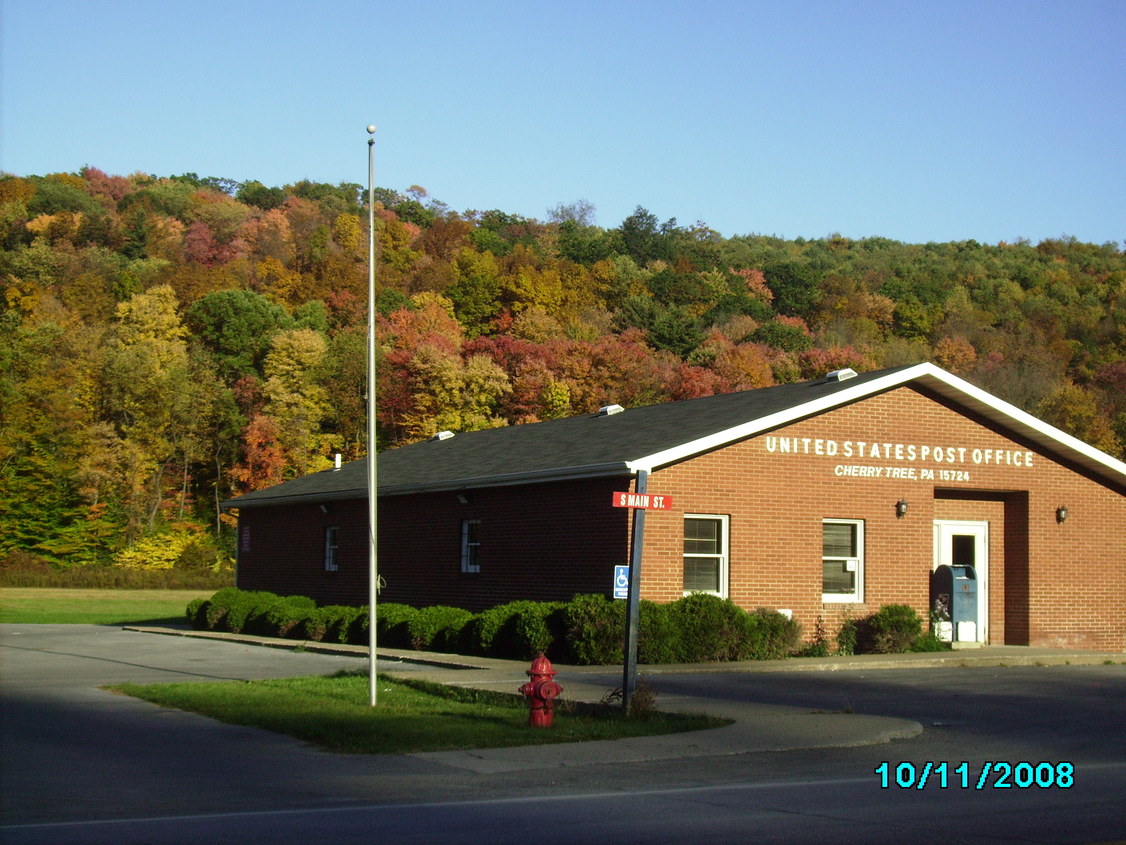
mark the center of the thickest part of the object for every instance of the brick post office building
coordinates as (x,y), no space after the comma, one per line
(822,498)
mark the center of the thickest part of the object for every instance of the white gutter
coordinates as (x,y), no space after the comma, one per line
(1032,427)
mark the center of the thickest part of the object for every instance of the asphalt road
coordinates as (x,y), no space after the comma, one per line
(78,764)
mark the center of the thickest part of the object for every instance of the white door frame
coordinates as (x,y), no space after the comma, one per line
(944,530)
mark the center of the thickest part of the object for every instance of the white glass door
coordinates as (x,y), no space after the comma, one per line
(967,544)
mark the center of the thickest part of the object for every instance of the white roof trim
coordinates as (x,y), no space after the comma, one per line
(1032,427)
(942,382)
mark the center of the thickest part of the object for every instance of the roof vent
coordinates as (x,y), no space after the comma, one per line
(443,435)
(841,375)
(610,410)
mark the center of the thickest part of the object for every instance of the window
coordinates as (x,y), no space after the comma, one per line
(705,554)
(470,545)
(332,562)
(842,560)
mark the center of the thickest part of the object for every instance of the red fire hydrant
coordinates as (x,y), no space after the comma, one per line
(541,691)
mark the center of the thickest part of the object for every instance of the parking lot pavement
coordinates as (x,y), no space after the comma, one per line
(72,752)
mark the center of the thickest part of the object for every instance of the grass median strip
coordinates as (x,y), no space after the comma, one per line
(332,712)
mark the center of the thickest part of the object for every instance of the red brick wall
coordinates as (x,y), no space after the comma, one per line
(1048,582)
(544,542)
(285,552)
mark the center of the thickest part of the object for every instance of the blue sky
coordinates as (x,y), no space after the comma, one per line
(991,120)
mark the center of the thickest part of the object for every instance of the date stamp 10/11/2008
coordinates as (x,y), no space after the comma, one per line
(991,775)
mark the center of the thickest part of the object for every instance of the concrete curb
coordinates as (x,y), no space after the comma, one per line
(761,729)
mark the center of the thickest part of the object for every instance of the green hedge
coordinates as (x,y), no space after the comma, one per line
(285,617)
(245,609)
(593,631)
(588,630)
(708,629)
(518,629)
(770,636)
(333,623)
(893,629)
(438,628)
(393,624)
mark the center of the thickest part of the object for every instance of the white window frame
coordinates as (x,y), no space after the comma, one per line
(332,548)
(857,595)
(470,546)
(724,551)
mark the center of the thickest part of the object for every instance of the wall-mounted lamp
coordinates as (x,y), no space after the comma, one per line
(901,509)
(325,508)
(463,498)
(1061,514)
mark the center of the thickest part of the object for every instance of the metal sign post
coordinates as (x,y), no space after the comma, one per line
(373,521)
(637,543)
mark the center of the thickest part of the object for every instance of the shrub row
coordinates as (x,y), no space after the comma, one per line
(269,615)
(695,629)
(893,629)
(588,630)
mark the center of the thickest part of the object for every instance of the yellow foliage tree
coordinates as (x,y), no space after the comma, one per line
(169,550)
(1075,411)
(349,235)
(278,284)
(294,399)
(452,395)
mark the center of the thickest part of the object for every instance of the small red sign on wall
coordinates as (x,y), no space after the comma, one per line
(648,501)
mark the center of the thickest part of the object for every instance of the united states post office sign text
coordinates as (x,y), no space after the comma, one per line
(922,461)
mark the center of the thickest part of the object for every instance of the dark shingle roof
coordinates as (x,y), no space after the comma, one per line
(582,446)
(647,437)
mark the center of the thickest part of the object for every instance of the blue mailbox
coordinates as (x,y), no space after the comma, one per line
(955,588)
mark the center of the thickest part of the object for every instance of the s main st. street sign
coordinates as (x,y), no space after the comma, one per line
(645,501)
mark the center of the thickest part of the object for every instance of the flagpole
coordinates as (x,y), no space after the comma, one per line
(373,569)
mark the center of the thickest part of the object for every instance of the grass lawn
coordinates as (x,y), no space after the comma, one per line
(332,712)
(99,607)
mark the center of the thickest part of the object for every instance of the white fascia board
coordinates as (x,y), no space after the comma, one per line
(989,405)
(1034,428)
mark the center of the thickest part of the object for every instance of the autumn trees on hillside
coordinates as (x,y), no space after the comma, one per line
(168,342)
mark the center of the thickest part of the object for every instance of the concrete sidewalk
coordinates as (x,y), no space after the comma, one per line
(755,727)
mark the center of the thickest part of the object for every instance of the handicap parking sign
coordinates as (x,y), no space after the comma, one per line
(621,582)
